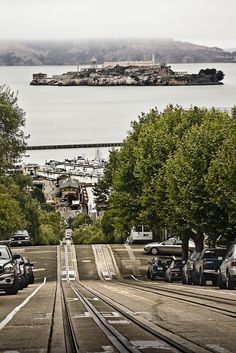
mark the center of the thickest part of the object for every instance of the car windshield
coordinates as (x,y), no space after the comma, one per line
(163,262)
(178,263)
(4,253)
(170,241)
(213,254)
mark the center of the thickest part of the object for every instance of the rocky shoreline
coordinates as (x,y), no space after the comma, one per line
(156,75)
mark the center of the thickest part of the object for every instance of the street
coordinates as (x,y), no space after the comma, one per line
(96,298)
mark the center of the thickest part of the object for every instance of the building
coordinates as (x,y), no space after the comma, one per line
(39,76)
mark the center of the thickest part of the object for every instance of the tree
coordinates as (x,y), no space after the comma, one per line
(12,140)
(220,183)
(186,174)
(11,216)
(79,220)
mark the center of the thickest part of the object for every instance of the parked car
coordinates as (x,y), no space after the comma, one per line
(20,238)
(158,267)
(171,246)
(188,268)
(227,272)
(207,266)
(68,234)
(174,271)
(140,234)
(9,281)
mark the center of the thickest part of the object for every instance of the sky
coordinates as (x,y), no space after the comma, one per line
(206,22)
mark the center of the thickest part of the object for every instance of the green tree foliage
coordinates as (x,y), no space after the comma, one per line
(12,140)
(11,215)
(51,223)
(79,220)
(102,189)
(160,174)
(221,183)
(90,234)
(187,170)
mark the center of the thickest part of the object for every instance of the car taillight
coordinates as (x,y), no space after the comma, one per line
(233,263)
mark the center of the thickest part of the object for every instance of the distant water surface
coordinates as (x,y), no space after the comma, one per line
(63,115)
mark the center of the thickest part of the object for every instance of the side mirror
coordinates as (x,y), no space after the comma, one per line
(31,265)
(16,256)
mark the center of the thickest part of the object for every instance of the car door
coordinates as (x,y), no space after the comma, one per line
(225,263)
(167,246)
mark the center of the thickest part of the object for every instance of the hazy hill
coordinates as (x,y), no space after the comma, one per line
(70,52)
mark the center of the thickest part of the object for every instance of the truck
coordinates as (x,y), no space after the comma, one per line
(140,234)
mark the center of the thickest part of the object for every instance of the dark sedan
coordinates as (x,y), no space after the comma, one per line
(158,267)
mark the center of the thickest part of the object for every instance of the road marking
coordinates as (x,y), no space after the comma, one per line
(39,269)
(72,299)
(119,322)
(13,312)
(86,261)
(112,314)
(82,316)
(150,344)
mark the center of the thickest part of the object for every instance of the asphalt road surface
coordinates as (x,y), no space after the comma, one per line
(96,298)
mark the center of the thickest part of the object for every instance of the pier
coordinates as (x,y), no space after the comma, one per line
(74,145)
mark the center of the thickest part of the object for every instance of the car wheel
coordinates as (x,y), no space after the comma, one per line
(214,282)
(148,275)
(22,283)
(202,279)
(229,283)
(152,277)
(195,279)
(31,278)
(26,281)
(189,280)
(14,289)
(221,284)
(154,251)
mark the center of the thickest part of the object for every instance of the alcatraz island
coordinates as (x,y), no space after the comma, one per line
(129,73)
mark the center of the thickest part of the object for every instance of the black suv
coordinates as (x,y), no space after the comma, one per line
(207,266)
(20,238)
(9,281)
(158,267)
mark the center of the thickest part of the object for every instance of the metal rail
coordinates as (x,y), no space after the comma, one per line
(162,292)
(173,340)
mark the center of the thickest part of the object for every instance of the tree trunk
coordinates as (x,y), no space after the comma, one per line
(185,240)
(199,239)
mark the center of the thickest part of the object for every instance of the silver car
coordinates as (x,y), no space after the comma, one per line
(227,274)
(171,246)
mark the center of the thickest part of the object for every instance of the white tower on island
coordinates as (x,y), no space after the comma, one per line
(93,63)
(153,58)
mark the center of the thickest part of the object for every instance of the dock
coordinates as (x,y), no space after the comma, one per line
(74,145)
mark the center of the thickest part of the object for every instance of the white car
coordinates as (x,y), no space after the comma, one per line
(68,234)
(227,273)
(171,246)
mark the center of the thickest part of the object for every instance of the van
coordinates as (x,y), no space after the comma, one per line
(140,234)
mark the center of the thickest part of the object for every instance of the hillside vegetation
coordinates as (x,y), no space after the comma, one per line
(71,52)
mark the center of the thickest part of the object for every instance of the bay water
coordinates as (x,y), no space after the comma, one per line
(67,115)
